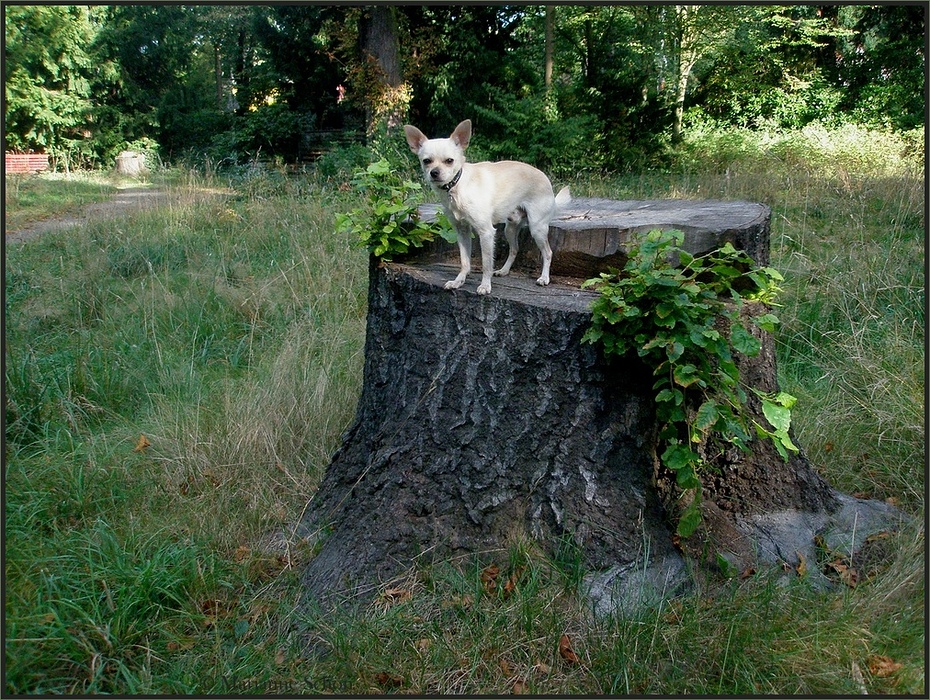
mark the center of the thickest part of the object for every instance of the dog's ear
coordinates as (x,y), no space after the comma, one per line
(415,138)
(462,134)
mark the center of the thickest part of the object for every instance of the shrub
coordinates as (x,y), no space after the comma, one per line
(389,224)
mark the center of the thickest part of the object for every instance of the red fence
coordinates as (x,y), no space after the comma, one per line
(26,162)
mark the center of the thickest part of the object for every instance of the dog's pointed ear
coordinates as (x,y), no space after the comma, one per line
(415,138)
(462,134)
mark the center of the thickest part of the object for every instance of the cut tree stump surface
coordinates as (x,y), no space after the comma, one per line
(484,421)
(589,235)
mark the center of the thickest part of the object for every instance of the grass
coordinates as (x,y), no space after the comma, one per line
(228,331)
(33,198)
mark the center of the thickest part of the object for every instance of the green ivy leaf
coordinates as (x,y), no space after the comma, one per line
(744,342)
(677,457)
(673,396)
(665,305)
(706,415)
(778,416)
(766,322)
(686,375)
(690,519)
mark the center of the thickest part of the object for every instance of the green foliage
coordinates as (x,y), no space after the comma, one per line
(682,315)
(47,72)
(335,163)
(816,149)
(233,80)
(525,129)
(389,224)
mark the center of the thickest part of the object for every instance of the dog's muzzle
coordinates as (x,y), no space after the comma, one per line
(449,185)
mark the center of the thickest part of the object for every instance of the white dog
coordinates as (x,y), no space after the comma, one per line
(476,196)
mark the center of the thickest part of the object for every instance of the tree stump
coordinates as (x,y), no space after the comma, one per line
(483,420)
(131,163)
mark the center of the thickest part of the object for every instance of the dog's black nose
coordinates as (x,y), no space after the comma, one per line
(434,173)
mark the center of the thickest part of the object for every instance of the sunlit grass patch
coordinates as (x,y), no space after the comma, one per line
(32,198)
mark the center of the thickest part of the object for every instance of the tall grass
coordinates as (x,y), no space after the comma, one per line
(177,379)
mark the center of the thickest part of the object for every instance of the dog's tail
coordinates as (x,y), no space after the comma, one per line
(563,197)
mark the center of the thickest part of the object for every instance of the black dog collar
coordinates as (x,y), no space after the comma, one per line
(449,185)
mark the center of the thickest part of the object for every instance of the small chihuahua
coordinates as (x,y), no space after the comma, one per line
(476,196)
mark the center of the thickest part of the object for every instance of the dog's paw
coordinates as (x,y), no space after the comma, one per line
(542,281)
(501,273)
(453,284)
(484,289)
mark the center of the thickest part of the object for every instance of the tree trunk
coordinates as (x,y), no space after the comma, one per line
(380,46)
(484,420)
(378,34)
(218,77)
(549,48)
(681,92)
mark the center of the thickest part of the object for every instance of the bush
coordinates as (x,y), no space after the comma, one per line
(528,129)
(849,149)
(339,163)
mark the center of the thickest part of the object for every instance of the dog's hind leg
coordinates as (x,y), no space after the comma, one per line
(539,230)
(511,231)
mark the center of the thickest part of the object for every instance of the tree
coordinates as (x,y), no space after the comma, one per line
(146,53)
(48,70)
(603,86)
(297,47)
(881,64)
(770,72)
(611,73)
(462,57)
(379,46)
(682,35)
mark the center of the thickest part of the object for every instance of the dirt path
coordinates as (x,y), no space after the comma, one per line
(125,201)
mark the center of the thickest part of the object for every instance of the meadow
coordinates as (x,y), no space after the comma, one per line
(176,380)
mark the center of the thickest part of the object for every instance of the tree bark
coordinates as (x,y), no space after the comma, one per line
(380,48)
(378,35)
(550,51)
(484,420)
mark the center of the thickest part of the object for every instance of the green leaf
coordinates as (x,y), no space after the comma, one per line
(706,415)
(381,167)
(726,568)
(673,396)
(665,309)
(773,273)
(687,478)
(690,519)
(778,416)
(686,375)
(592,335)
(677,457)
(766,322)
(675,351)
(744,342)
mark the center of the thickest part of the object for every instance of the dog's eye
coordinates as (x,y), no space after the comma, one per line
(449,161)
(427,161)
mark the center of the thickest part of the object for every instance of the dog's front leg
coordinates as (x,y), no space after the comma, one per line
(464,240)
(486,237)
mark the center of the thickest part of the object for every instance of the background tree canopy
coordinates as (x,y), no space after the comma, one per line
(568,86)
